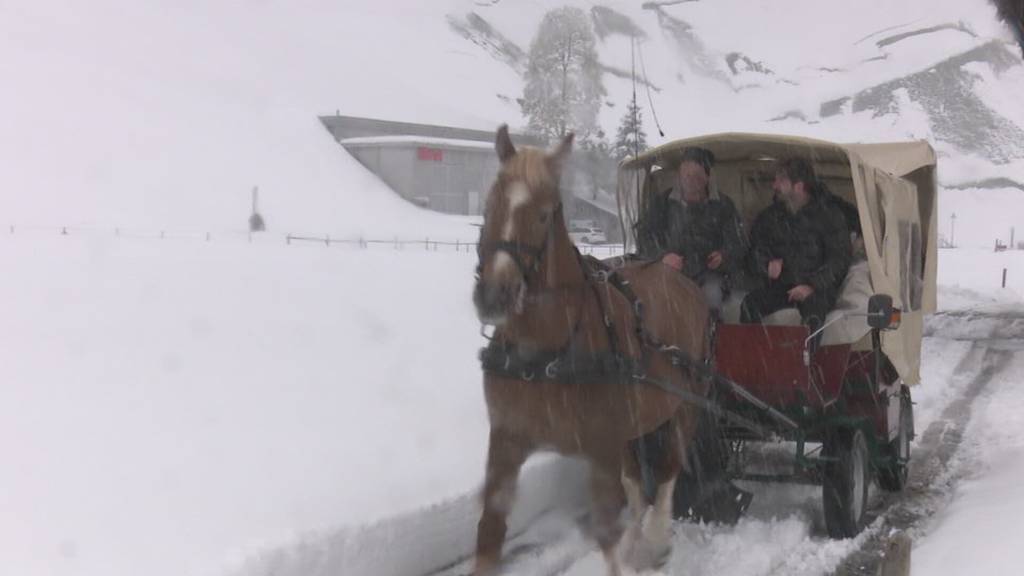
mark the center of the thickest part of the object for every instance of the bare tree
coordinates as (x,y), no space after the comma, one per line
(563,90)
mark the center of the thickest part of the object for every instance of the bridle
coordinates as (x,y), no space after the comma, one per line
(518,251)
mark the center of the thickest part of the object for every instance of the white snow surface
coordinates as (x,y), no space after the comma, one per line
(166,402)
(976,531)
(182,407)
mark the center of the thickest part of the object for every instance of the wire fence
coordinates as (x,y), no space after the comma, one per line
(362,243)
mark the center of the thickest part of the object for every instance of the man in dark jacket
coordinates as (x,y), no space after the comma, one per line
(688,230)
(800,249)
(702,237)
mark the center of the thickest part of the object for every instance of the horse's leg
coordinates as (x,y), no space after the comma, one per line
(636,500)
(505,456)
(667,466)
(654,545)
(608,501)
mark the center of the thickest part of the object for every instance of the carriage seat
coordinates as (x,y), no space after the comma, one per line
(853,297)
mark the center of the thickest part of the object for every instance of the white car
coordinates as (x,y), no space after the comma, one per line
(587,235)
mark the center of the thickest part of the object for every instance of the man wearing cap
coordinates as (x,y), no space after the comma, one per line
(689,230)
(701,235)
(800,249)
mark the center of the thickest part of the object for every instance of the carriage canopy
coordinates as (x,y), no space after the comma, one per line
(893,186)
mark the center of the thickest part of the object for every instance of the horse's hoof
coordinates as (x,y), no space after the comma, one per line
(646,555)
(485,567)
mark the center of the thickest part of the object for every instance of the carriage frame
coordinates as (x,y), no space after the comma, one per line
(847,409)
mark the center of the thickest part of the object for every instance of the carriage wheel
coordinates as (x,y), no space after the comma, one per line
(892,476)
(846,480)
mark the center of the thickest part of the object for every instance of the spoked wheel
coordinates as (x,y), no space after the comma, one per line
(846,480)
(892,475)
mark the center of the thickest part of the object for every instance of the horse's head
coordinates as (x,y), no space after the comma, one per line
(523,208)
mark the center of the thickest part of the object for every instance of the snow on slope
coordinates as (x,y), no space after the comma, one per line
(809,52)
(865,71)
(166,114)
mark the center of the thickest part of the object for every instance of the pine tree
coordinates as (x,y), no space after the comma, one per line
(563,90)
(630,137)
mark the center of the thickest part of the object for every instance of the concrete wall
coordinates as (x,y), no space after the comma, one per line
(342,127)
(458,182)
(455,184)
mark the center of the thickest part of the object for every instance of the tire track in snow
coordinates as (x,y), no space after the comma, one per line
(932,480)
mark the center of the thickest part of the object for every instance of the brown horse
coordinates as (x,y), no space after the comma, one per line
(533,287)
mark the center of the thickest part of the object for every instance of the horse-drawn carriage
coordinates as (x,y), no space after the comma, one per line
(586,357)
(846,408)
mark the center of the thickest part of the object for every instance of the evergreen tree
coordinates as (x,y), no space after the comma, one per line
(630,137)
(563,90)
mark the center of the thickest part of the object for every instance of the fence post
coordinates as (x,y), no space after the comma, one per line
(1004,277)
(117,232)
(207,236)
(327,240)
(12,228)
(288,238)
(64,231)
(897,556)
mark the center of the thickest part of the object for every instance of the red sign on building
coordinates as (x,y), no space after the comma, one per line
(429,154)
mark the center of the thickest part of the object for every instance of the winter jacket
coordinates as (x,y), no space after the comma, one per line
(814,245)
(693,231)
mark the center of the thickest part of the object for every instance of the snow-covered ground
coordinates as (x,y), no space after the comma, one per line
(183,407)
(166,402)
(976,532)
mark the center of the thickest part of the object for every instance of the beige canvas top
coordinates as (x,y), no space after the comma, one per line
(892,184)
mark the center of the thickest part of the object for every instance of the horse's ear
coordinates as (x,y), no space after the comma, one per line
(503,144)
(562,151)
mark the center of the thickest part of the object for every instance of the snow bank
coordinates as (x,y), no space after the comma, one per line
(975,534)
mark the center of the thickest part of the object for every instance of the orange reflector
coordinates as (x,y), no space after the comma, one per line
(894,319)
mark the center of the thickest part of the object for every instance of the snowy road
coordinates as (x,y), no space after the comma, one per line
(781,534)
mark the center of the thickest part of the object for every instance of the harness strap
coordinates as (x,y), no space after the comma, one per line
(570,368)
(566,365)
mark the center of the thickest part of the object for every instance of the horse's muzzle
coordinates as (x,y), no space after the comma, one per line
(495,302)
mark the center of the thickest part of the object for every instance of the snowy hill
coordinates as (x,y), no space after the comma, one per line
(167,114)
(945,71)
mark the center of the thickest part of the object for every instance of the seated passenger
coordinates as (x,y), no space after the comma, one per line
(686,229)
(852,218)
(800,249)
